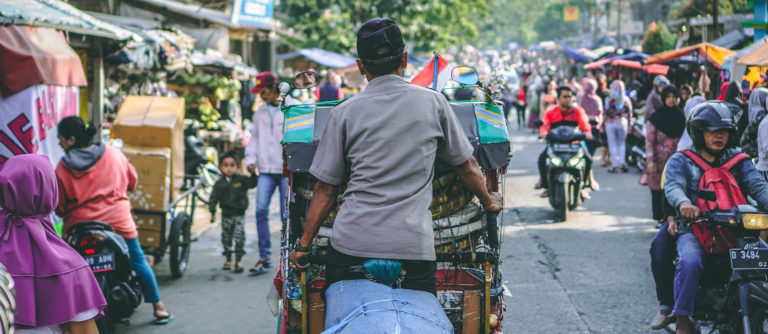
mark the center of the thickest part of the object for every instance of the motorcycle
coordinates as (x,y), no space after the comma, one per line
(635,145)
(199,165)
(107,254)
(566,167)
(732,296)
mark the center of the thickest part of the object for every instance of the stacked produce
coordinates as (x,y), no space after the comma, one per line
(203,91)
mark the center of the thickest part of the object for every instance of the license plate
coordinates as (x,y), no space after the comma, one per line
(566,147)
(749,259)
(101,262)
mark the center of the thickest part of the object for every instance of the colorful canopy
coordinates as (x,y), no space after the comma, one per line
(35,55)
(715,55)
(758,57)
(656,69)
(614,62)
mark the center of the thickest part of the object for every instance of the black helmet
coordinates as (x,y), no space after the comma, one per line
(711,116)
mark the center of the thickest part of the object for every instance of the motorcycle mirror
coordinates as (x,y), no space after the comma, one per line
(284,87)
(708,195)
(465,75)
(306,79)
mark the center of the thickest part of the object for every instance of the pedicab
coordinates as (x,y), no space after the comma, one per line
(469,280)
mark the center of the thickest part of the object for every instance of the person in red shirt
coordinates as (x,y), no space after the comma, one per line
(563,111)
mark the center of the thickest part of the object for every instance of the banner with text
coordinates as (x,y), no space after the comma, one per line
(28,120)
(257,13)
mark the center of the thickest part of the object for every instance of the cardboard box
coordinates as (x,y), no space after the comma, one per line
(153,168)
(154,122)
(148,222)
(149,238)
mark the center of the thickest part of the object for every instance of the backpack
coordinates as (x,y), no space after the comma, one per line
(717,239)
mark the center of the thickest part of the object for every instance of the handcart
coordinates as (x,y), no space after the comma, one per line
(469,280)
(174,234)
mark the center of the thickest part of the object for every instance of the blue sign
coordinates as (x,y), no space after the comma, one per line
(257,13)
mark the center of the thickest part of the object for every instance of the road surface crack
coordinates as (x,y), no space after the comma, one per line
(552,264)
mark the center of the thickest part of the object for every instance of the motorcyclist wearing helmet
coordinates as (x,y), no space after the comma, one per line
(654,100)
(712,129)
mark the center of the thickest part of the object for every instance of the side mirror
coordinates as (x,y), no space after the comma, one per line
(465,75)
(306,79)
(284,87)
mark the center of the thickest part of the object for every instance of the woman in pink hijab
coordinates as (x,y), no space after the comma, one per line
(56,291)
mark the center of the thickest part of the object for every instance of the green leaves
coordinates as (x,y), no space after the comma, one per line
(658,39)
(428,24)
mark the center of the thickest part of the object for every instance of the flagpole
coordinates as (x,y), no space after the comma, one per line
(435,66)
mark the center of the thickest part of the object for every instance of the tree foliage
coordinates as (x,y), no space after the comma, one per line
(428,24)
(510,21)
(550,25)
(693,8)
(658,39)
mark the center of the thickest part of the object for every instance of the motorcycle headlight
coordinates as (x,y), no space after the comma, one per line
(755,221)
(573,162)
(556,161)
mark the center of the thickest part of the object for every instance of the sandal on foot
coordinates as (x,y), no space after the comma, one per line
(257,269)
(266,264)
(164,320)
(238,268)
(227,266)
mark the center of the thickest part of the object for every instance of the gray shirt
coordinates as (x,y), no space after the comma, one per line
(386,140)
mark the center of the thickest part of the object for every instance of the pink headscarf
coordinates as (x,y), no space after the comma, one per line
(589,101)
(53,283)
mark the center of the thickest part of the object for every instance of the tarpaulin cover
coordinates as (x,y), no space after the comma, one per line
(322,57)
(35,55)
(597,64)
(627,63)
(758,57)
(715,55)
(656,69)
(574,54)
(59,15)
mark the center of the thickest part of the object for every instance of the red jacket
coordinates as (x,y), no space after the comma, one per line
(556,114)
(99,193)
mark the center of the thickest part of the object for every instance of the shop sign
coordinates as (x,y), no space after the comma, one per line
(257,13)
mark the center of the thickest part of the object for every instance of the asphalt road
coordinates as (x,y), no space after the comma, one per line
(590,274)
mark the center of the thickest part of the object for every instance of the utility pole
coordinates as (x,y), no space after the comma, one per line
(715,21)
(618,25)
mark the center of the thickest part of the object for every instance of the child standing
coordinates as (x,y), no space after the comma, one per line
(231,194)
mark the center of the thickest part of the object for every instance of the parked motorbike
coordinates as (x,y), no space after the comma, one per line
(107,254)
(199,163)
(635,145)
(566,167)
(732,296)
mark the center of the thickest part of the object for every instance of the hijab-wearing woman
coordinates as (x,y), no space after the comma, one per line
(756,111)
(734,96)
(55,288)
(685,140)
(618,116)
(93,183)
(590,102)
(665,127)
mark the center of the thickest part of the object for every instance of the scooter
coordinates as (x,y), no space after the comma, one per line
(635,145)
(566,167)
(732,296)
(107,254)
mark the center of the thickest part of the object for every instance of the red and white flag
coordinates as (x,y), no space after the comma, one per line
(435,75)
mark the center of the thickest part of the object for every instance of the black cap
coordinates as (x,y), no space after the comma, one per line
(375,34)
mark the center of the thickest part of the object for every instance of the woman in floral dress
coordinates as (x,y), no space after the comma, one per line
(665,127)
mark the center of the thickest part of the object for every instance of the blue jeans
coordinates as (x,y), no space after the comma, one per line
(689,268)
(146,275)
(663,267)
(266,187)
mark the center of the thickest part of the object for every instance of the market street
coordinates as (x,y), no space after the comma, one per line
(589,274)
